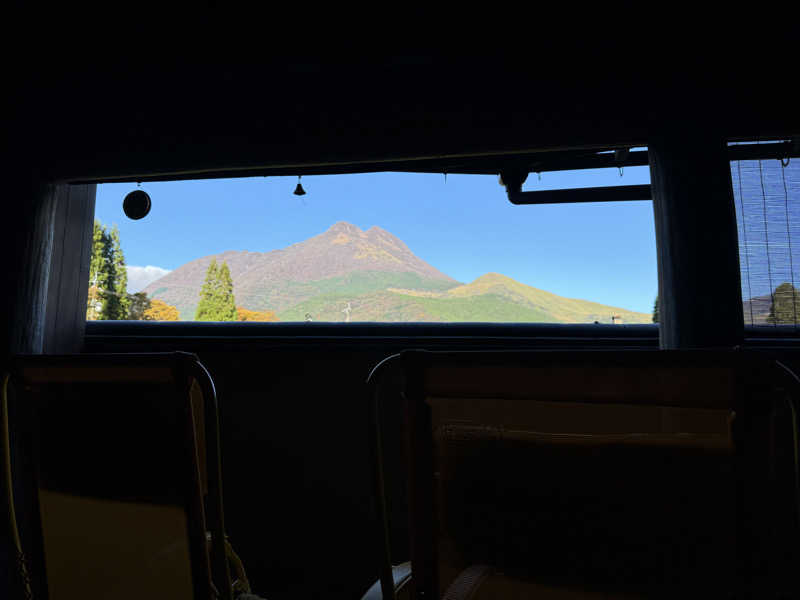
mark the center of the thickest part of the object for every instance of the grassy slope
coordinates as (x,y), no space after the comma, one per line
(399,297)
(562,310)
(490,308)
(352,284)
(291,293)
(397,307)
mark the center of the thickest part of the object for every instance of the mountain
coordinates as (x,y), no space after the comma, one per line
(373,276)
(759,305)
(343,258)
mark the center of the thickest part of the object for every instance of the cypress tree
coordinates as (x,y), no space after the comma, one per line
(101,278)
(227,304)
(206,309)
(108,277)
(216,296)
(98,272)
(117,303)
(656,315)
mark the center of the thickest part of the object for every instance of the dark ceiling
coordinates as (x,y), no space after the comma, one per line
(92,113)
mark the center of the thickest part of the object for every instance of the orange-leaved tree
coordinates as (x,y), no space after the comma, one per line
(161,311)
(243,314)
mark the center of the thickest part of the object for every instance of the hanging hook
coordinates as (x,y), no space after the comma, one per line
(539,173)
(620,156)
(445,177)
(785,164)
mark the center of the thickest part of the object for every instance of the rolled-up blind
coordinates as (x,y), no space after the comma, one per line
(767,196)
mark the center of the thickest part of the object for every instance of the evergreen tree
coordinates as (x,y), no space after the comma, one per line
(216,296)
(784,309)
(140,304)
(117,302)
(108,277)
(206,307)
(227,302)
(656,312)
(98,272)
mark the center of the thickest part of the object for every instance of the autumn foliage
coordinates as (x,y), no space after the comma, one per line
(161,311)
(244,314)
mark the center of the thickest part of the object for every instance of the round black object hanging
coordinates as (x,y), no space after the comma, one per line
(136,204)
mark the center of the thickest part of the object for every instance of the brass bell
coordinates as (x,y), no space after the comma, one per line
(299,191)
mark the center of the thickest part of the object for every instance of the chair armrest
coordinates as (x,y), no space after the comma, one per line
(401,574)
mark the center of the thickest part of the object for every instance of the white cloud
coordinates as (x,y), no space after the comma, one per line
(140,277)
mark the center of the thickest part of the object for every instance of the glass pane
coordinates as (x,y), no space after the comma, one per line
(376,247)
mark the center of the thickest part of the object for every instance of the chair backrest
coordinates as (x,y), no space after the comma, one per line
(126,485)
(600,472)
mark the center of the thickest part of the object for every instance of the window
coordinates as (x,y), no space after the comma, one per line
(375,247)
(767,196)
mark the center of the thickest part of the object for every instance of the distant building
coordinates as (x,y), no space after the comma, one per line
(616,320)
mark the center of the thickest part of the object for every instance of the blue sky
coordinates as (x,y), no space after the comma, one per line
(464,226)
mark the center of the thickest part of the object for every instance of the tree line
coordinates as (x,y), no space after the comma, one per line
(108,298)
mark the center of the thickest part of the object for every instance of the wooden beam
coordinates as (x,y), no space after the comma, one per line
(696,236)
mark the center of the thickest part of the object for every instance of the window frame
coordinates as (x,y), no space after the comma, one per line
(557,335)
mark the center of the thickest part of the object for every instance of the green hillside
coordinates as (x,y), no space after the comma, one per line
(562,310)
(389,306)
(284,295)
(483,308)
(490,298)
(288,293)
(408,297)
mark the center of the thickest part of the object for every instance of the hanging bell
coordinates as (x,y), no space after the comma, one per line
(299,191)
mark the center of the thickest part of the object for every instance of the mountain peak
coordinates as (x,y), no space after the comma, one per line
(344,227)
(269,280)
